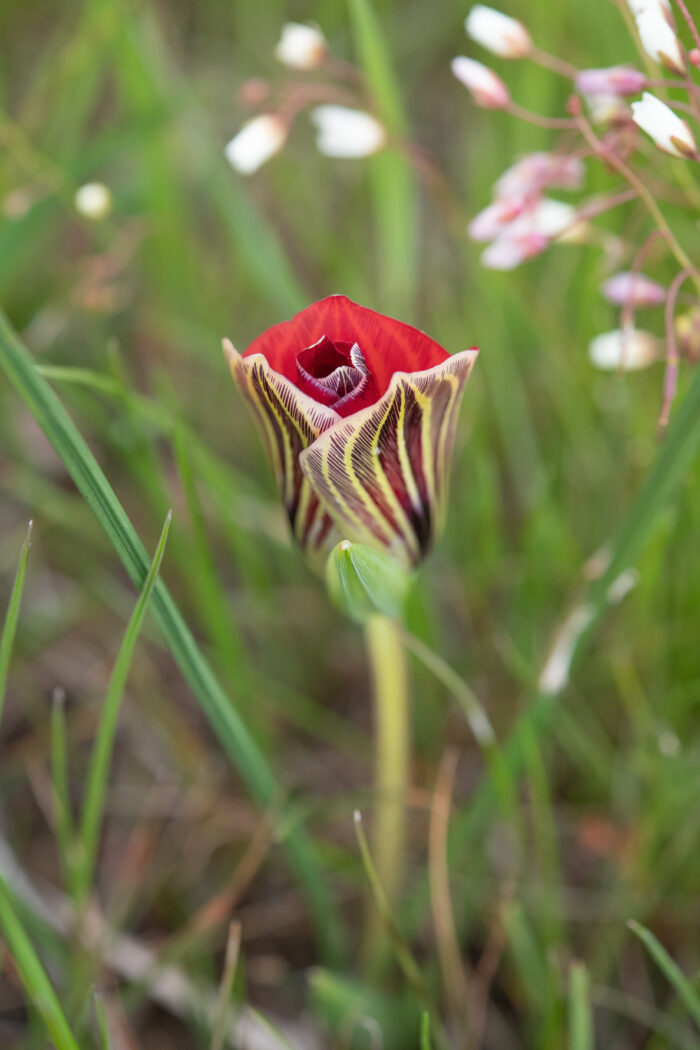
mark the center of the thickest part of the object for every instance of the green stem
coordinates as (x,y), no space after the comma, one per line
(390,691)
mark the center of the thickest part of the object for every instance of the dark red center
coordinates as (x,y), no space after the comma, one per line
(334,372)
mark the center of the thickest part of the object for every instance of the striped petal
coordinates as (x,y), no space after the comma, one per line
(289,422)
(381,473)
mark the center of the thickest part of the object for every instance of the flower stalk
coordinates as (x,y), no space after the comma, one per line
(392,732)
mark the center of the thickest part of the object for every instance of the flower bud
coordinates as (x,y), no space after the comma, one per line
(344,132)
(301,46)
(358,415)
(93,200)
(659,39)
(497,32)
(628,350)
(617,80)
(486,88)
(635,289)
(669,132)
(256,143)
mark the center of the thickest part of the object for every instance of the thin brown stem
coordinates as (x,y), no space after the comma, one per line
(599,205)
(553,123)
(627,313)
(643,192)
(299,96)
(454,970)
(689,19)
(557,65)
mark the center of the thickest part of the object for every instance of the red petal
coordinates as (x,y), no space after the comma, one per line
(388,346)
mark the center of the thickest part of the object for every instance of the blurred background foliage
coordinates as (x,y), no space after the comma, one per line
(603,826)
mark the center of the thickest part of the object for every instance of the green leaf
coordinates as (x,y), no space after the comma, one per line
(425,1041)
(669,968)
(10,625)
(361,1015)
(32,974)
(580,1016)
(104,743)
(362,582)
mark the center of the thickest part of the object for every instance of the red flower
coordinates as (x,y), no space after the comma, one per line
(357,412)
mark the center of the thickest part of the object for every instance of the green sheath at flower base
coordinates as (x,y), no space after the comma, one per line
(362,582)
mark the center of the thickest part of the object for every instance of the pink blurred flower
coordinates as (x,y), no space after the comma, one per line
(486,88)
(534,172)
(634,288)
(530,233)
(617,80)
(492,220)
(514,247)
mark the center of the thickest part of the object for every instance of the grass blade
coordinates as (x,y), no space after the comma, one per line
(425,1042)
(669,968)
(33,976)
(393,179)
(232,732)
(10,625)
(580,1016)
(104,744)
(62,814)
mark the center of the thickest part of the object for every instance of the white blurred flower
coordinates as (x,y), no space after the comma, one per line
(669,132)
(93,200)
(344,132)
(634,288)
(486,88)
(637,6)
(301,46)
(257,141)
(497,32)
(628,350)
(659,39)
(616,80)
(552,217)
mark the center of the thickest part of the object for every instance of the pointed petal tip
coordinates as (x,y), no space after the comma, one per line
(229,349)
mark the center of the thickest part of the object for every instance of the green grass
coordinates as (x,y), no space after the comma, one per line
(226,787)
